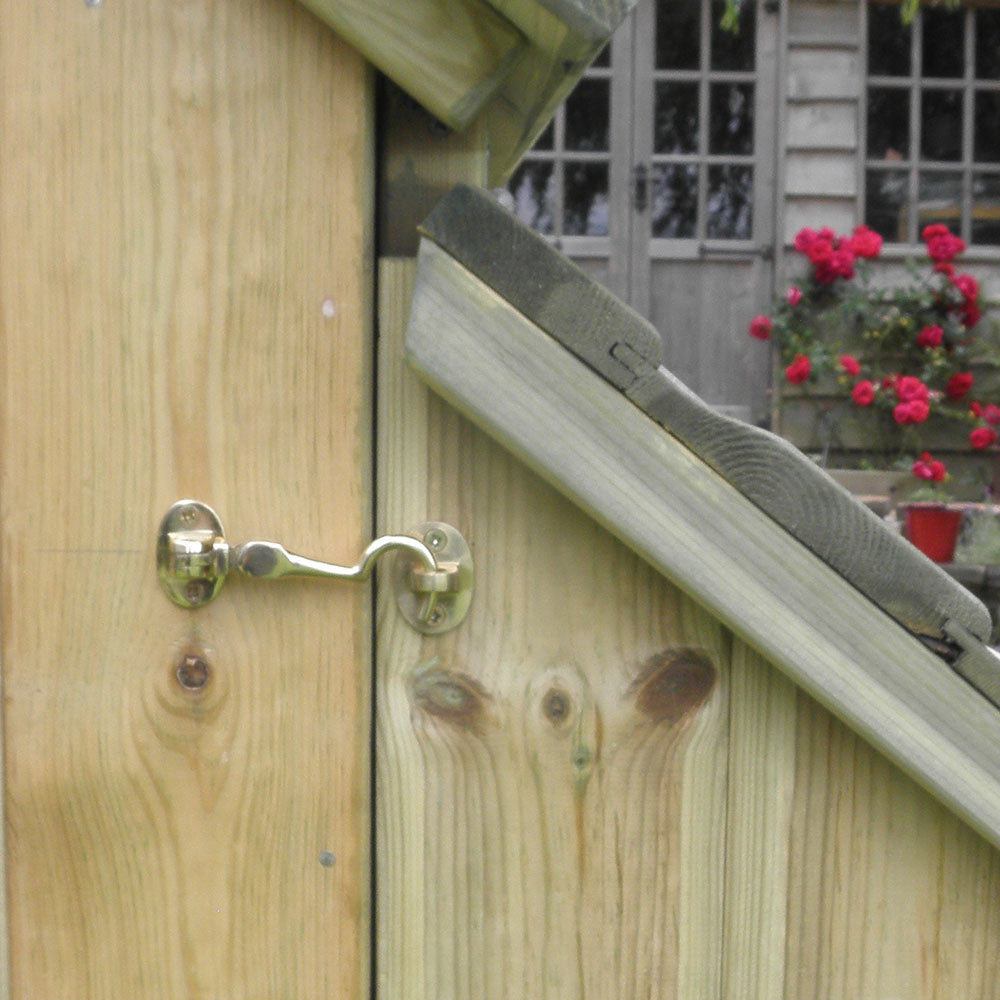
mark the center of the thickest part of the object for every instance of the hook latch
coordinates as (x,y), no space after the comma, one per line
(433,571)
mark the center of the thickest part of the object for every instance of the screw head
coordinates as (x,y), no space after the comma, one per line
(436,539)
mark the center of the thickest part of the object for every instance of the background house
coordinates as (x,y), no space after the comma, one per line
(681,167)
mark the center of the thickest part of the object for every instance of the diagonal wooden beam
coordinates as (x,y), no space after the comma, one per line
(580,433)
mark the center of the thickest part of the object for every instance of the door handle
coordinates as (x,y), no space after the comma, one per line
(432,574)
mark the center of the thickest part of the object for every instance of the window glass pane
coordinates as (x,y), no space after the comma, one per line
(888,41)
(941,125)
(674,202)
(886,198)
(734,50)
(939,199)
(729,209)
(986,208)
(988,43)
(888,123)
(675,129)
(603,57)
(730,118)
(586,195)
(533,187)
(547,139)
(587,116)
(678,34)
(986,139)
(943,42)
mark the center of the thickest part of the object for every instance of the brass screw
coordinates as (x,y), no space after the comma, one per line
(192,672)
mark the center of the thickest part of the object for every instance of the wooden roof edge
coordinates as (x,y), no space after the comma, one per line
(649,489)
(551,291)
(506,64)
(593,19)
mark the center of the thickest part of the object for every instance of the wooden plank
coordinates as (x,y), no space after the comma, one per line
(718,364)
(451,55)
(829,174)
(551,777)
(889,895)
(593,19)
(184,303)
(580,434)
(823,75)
(761,780)
(822,126)
(823,18)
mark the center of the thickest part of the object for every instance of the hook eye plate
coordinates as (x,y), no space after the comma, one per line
(192,555)
(433,603)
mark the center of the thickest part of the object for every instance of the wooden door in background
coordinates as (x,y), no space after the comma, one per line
(658,178)
(184,303)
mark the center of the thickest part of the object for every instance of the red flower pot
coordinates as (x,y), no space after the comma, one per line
(933,528)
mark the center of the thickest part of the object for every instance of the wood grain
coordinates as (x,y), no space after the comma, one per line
(696,529)
(451,55)
(550,776)
(889,895)
(184,196)
(761,781)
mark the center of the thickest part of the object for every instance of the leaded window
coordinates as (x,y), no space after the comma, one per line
(932,130)
(703,123)
(561,187)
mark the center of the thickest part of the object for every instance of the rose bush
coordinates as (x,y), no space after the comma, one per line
(903,355)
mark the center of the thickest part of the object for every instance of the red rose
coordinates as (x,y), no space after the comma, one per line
(991,414)
(967,285)
(804,239)
(794,295)
(945,267)
(970,315)
(819,249)
(865,242)
(976,409)
(843,261)
(760,327)
(909,387)
(944,247)
(930,468)
(915,411)
(863,393)
(850,364)
(934,229)
(798,371)
(982,437)
(930,336)
(958,385)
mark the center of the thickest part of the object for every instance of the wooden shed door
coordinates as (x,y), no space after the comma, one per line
(184,244)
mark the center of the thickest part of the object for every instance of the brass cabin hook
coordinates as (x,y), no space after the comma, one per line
(433,573)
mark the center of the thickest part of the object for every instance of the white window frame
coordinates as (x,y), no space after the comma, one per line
(913,164)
